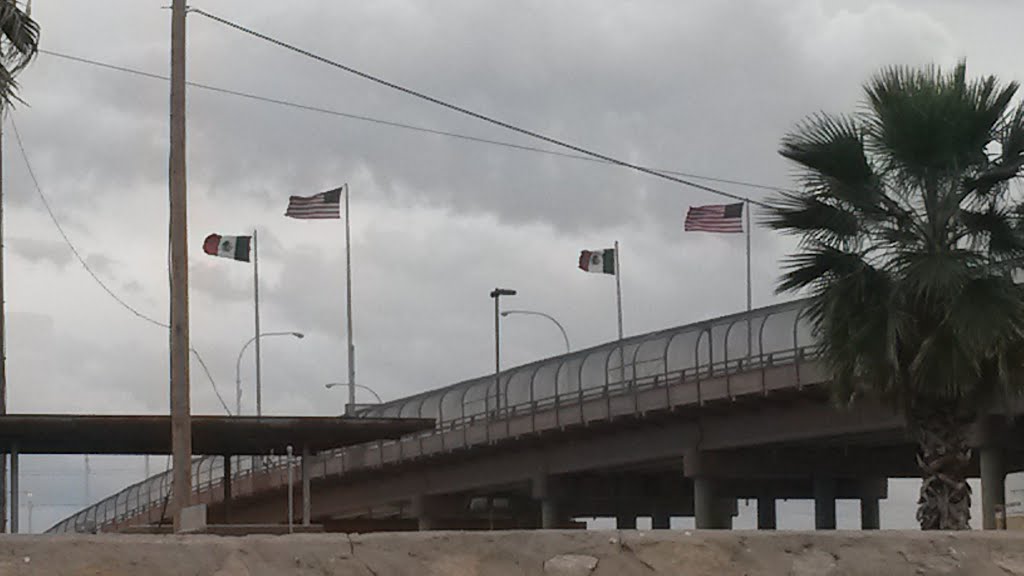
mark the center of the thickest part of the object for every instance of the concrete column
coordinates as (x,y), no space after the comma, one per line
(425,524)
(710,511)
(870,517)
(306,465)
(227,489)
(421,509)
(824,503)
(550,516)
(766,517)
(625,521)
(15,509)
(545,489)
(993,484)
(661,521)
(991,436)
(993,477)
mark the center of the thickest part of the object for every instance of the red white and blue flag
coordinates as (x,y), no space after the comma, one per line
(720,218)
(325,205)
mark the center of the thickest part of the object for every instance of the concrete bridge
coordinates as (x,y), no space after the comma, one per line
(679,422)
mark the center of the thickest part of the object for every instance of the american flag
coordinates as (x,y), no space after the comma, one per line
(318,206)
(723,218)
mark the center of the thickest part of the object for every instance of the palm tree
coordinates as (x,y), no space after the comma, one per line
(19,41)
(909,239)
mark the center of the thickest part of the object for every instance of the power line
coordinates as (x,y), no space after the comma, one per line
(467,112)
(394,124)
(89,270)
(63,234)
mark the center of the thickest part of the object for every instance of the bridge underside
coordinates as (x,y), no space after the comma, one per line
(680,463)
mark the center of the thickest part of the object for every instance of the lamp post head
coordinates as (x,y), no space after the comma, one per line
(505,313)
(298,335)
(502,292)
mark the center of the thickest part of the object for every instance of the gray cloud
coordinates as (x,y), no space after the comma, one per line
(35,250)
(706,87)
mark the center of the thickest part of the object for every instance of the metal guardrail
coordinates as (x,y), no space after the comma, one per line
(765,337)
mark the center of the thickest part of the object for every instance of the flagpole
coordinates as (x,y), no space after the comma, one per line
(750,337)
(348,303)
(618,299)
(256,307)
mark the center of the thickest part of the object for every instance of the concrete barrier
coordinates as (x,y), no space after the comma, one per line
(572,553)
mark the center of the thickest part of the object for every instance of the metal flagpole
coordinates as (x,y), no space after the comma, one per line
(618,298)
(256,300)
(348,303)
(750,336)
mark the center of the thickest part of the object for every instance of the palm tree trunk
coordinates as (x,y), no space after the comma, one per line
(943,457)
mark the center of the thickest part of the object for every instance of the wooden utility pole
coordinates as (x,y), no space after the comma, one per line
(181,416)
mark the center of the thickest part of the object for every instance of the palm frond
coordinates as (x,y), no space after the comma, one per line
(821,264)
(927,125)
(997,229)
(830,149)
(935,277)
(809,215)
(1011,157)
(19,42)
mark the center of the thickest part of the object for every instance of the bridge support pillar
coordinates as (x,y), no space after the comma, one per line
(993,471)
(226,504)
(625,521)
(545,490)
(710,511)
(424,510)
(661,520)
(306,464)
(993,484)
(766,517)
(870,517)
(15,492)
(550,515)
(824,503)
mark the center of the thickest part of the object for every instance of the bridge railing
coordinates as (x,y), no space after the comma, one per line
(692,353)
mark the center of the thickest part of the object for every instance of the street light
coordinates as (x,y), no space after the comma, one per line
(351,408)
(497,293)
(238,368)
(549,317)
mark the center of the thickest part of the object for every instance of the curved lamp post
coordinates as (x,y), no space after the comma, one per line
(549,317)
(330,385)
(238,368)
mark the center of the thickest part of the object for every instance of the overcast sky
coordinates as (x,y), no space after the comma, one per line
(702,87)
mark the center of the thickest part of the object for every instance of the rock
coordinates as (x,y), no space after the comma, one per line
(1011,564)
(233,566)
(813,563)
(570,565)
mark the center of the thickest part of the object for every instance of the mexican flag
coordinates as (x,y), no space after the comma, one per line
(234,247)
(598,261)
